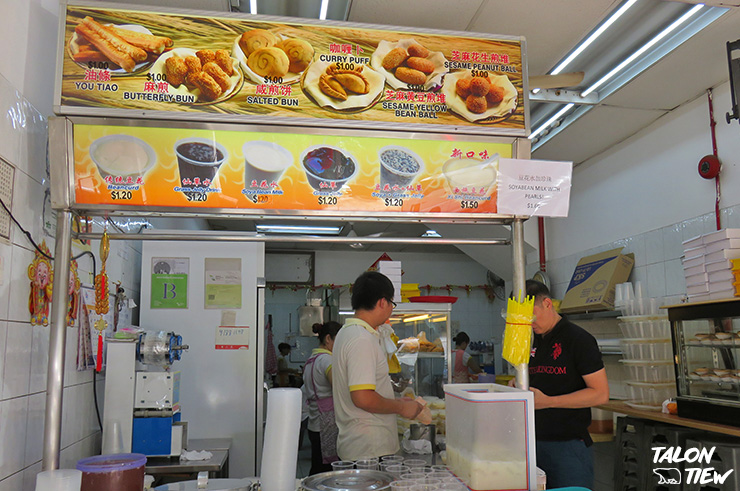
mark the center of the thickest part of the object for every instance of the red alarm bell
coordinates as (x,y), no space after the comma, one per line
(709,167)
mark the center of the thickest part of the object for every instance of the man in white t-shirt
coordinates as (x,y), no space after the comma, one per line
(364,401)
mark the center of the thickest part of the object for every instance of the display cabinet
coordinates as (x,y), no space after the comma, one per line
(431,368)
(706,348)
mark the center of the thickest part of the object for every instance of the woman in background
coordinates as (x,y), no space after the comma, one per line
(286,376)
(465,367)
(322,428)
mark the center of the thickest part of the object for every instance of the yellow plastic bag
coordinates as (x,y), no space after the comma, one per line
(518,333)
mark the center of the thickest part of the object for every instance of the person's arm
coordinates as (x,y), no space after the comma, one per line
(473,365)
(595,393)
(372,402)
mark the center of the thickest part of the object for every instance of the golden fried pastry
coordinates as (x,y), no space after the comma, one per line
(356,82)
(205,56)
(300,53)
(410,76)
(476,104)
(421,64)
(462,87)
(479,86)
(495,95)
(217,74)
(176,70)
(269,62)
(394,58)
(193,63)
(255,39)
(86,53)
(223,59)
(209,88)
(331,87)
(418,50)
(111,45)
(147,42)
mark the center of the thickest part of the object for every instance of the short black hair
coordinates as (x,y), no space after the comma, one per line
(330,328)
(537,290)
(370,287)
(283,346)
(462,337)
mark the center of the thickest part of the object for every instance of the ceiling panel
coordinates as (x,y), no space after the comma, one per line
(552,28)
(431,14)
(698,64)
(595,132)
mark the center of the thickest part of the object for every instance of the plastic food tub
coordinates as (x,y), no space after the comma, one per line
(649,371)
(645,327)
(647,349)
(650,394)
(122,472)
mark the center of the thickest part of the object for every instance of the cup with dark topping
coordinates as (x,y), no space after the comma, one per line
(199,160)
(328,168)
(399,166)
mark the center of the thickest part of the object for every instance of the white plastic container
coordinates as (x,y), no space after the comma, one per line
(645,327)
(649,371)
(647,349)
(650,394)
(490,436)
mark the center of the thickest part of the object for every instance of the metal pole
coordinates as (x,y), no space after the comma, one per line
(57,338)
(517,246)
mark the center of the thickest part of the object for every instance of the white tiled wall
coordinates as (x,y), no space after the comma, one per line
(24,348)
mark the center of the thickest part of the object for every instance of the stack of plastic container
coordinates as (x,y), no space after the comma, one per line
(708,265)
(646,348)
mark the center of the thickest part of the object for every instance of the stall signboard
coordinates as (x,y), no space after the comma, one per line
(276,172)
(121,62)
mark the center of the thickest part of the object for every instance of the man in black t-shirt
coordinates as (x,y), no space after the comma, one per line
(567,376)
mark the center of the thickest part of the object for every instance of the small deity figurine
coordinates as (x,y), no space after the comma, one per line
(74,294)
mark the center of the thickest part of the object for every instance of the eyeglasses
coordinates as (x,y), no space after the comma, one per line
(392,303)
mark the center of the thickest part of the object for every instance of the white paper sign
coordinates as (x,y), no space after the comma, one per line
(232,337)
(534,187)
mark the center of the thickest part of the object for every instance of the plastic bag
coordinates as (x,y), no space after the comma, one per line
(518,332)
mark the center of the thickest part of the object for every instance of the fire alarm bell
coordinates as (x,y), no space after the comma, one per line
(709,167)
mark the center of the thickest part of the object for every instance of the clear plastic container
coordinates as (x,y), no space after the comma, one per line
(650,394)
(649,371)
(122,472)
(647,349)
(650,328)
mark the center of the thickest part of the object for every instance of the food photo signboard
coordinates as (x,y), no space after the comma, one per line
(275,172)
(122,62)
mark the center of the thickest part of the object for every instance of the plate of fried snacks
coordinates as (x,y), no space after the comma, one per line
(486,98)
(408,63)
(128,48)
(345,87)
(208,75)
(267,57)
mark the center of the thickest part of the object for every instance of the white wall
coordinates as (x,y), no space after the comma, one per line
(651,180)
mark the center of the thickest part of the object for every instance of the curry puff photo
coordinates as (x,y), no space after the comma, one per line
(127,48)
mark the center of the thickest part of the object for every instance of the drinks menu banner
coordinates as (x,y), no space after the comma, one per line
(200,168)
(232,67)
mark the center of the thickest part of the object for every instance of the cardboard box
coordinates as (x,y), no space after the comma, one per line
(594,281)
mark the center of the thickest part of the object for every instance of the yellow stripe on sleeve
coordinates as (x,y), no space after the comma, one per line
(328,369)
(353,388)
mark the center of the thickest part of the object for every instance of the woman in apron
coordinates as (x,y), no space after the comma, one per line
(465,367)
(322,428)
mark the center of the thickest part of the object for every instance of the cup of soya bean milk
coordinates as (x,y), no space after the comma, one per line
(399,166)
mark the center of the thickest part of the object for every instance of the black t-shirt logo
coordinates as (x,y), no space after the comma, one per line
(557,350)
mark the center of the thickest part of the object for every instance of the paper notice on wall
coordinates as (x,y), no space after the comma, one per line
(223,283)
(534,187)
(169,283)
(232,337)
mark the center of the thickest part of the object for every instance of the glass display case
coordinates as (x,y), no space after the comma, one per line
(431,362)
(706,348)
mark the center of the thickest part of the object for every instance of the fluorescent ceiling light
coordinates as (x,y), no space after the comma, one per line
(298,229)
(598,32)
(416,318)
(551,121)
(431,233)
(324,8)
(644,48)
(253,7)
(438,319)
